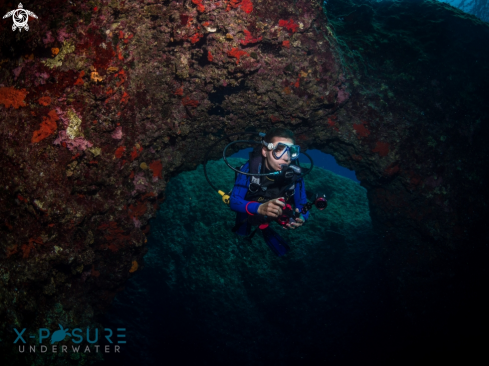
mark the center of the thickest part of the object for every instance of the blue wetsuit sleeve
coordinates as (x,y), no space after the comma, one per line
(300,198)
(236,201)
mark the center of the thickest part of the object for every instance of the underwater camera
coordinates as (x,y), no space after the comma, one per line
(289,215)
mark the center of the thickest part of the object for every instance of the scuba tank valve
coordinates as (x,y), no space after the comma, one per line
(225,197)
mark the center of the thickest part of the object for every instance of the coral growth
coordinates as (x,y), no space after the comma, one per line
(361,129)
(136,150)
(11,97)
(134,267)
(382,148)
(236,52)
(190,102)
(114,235)
(249,38)
(73,144)
(47,128)
(156,167)
(45,101)
(200,6)
(119,151)
(289,25)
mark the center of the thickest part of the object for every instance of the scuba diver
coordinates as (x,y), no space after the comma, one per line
(263,199)
(267,185)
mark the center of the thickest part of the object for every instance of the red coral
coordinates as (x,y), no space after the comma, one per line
(80,81)
(45,101)
(26,248)
(331,122)
(247,6)
(236,52)
(183,19)
(209,56)
(138,211)
(179,91)
(149,194)
(119,54)
(12,250)
(249,38)
(156,168)
(232,4)
(122,75)
(414,178)
(12,97)
(290,25)
(120,151)
(392,169)
(382,148)
(286,44)
(94,273)
(361,130)
(274,119)
(124,98)
(200,7)
(135,152)
(187,101)
(48,126)
(196,37)
(114,235)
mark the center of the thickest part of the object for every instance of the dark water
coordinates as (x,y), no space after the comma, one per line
(167,337)
(160,333)
(365,326)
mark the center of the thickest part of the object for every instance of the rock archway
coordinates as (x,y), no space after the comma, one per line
(102,102)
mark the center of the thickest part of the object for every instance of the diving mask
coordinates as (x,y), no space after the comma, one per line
(282,148)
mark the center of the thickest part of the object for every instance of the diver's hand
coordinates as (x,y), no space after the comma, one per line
(272,208)
(298,221)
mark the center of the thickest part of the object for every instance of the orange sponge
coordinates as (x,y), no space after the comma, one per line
(48,126)
(12,97)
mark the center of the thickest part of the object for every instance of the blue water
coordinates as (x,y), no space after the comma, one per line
(320,159)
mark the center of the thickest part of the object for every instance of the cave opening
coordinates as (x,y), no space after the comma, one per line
(320,159)
(198,273)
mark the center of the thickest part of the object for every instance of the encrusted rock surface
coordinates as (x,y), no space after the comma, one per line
(101,102)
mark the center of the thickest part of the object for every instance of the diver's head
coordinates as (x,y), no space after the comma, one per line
(279,148)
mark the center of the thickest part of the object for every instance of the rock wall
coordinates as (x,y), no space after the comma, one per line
(102,102)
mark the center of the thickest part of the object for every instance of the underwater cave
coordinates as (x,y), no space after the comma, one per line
(110,230)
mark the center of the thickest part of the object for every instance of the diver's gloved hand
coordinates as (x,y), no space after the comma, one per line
(272,208)
(299,221)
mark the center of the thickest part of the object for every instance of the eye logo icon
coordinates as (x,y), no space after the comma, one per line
(20,17)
